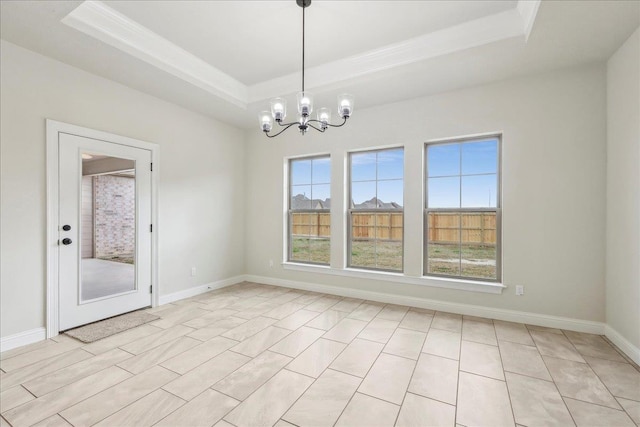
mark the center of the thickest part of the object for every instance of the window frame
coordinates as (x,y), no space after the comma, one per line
(291,211)
(350,210)
(461,210)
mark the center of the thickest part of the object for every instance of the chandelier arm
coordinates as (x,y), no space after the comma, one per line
(318,129)
(329,124)
(287,127)
(287,124)
(303,8)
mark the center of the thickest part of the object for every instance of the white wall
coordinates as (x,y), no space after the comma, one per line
(554,135)
(201,178)
(623,191)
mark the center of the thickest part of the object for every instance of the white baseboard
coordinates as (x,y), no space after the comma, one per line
(22,338)
(451,307)
(622,343)
(197,290)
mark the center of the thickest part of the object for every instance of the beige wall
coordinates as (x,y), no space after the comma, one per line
(554,135)
(623,190)
(201,178)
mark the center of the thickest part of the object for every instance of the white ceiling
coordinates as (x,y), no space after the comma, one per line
(226,58)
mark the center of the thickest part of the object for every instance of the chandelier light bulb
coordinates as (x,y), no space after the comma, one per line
(266,121)
(279,109)
(324,117)
(345,105)
(305,103)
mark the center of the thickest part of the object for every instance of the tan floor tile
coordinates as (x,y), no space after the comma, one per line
(209,318)
(43,367)
(481,332)
(271,401)
(14,363)
(245,303)
(146,343)
(60,378)
(483,402)
(327,320)
(554,345)
(256,311)
(523,359)
(388,378)
(249,328)
(436,378)
(323,303)
(204,376)
(159,354)
(27,348)
(417,321)
(144,412)
(590,415)
(481,359)
(308,297)
(346,330)
(544,329)
(324,401)
(348,305)
(406,343)
(594,346)
(620,378)
(576,380)
(420,411)
(189,312)
(358,357)
(366,311)
(196,356)
(447,321)
(393,312)
(14,396)
(297,342)
(512,332)
(537,402)
(111,400)
(121,339)
(261,341)
(204,410)
(442,343)
(4,423)
(379,330)
(216,328)
(52,403)
(282,423)
(632,408)
(296,320)
(366,411)
(251,376)
(284,310)
(53,421)
(316,358)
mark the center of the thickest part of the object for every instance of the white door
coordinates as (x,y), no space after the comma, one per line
(105,202)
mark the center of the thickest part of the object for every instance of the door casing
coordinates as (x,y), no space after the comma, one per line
(54,129)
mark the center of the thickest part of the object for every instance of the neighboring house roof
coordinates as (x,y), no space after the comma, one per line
(300,201)
(375,203)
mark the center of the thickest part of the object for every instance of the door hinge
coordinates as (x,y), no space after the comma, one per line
(150,228)
(150,289)
(151,167)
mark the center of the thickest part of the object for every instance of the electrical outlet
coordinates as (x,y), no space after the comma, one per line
(519,290)
(270,263)
(193,271)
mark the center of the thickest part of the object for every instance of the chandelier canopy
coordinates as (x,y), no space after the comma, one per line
(305,105)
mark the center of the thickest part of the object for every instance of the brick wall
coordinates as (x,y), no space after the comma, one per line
(114,207)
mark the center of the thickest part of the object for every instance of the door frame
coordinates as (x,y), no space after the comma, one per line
(54,129)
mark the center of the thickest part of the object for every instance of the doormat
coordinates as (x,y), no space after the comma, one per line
(105,328)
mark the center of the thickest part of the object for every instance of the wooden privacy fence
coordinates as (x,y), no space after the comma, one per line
(471,227)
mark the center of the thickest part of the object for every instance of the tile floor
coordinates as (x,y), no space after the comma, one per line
(255,355)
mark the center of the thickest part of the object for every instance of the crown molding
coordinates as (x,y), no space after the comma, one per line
(98,20)
(528,10)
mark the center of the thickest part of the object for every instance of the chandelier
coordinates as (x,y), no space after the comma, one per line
(305,105)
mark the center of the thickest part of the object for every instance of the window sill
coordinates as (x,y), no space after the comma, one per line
(385,276)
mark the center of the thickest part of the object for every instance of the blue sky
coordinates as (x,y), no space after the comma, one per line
(458,175)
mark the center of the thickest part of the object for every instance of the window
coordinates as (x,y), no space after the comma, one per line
(462,215)
(309,210)
(375,211)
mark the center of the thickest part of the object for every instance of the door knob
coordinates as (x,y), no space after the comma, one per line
(66,241)
(66,227)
